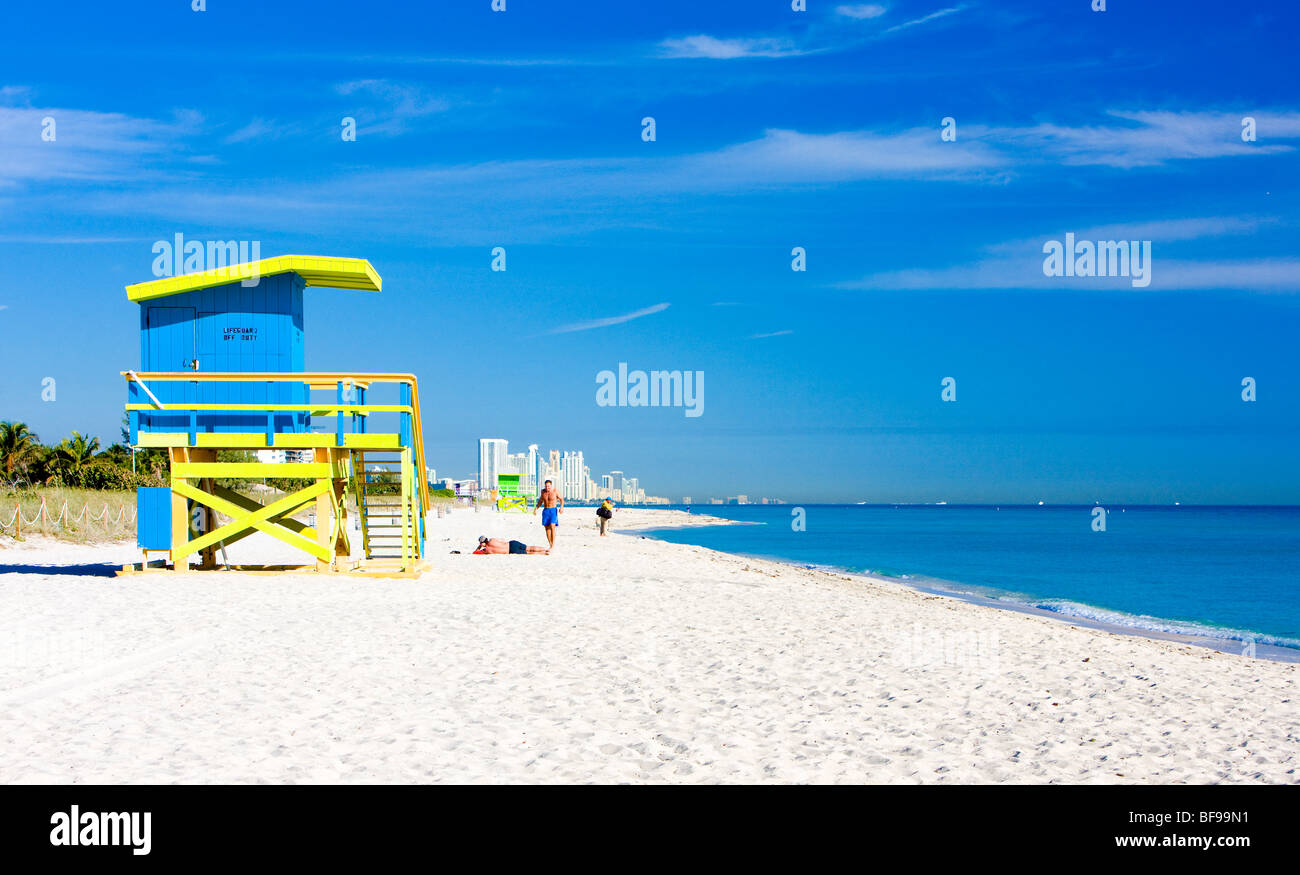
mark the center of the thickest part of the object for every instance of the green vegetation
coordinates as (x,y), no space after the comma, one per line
(76,462)
(72,489)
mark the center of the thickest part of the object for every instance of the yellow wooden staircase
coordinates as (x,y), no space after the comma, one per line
(387,506)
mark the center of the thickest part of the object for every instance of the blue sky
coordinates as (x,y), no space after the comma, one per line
(774,129)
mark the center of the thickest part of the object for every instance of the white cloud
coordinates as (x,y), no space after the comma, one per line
(782,156)
(133,169)
(1019,264)
(1151,137)
(1258,275)
(609,320)
(813,40)
(257,129)
(86,146)
(942,13)
(860,10)
(459,203)
(704,46)
(390,106)
(1163,231)
(67,240)
(771,334)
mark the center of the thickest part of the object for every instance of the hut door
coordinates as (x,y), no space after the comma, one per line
(171,338)
(171,348)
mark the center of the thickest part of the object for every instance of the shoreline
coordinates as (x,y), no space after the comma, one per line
(946,589)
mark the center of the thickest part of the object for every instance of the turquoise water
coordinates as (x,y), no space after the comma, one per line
(1228,573)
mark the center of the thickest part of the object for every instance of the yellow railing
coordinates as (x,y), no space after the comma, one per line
(319,380)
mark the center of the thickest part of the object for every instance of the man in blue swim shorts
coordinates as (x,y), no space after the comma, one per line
(552,505)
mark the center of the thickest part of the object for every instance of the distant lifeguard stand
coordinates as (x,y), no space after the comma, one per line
(511,495)
(222,388)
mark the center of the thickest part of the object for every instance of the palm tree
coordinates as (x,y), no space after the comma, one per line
(19,448)
(70,455)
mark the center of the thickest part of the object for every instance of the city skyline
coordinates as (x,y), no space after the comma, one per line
(567,469)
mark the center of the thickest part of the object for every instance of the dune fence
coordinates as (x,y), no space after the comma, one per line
(70,514)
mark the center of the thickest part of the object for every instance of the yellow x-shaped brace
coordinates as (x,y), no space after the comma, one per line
(339,534)
(249,505)
(243,521)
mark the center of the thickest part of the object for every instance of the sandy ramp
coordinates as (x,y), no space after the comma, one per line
(616,659)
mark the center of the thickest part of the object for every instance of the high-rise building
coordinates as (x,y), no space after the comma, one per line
(533,476)
(574,475)
(491,461)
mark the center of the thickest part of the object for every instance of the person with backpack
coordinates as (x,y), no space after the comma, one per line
(604,514)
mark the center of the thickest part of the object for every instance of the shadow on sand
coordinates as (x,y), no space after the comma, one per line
(98,569)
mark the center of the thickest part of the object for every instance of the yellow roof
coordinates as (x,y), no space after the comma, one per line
(315,270)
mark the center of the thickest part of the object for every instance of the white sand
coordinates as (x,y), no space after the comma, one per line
(616,659)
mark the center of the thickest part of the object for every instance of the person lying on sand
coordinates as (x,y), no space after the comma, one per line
(501,545)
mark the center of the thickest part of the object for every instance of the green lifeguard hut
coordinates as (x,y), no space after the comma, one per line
(511,494)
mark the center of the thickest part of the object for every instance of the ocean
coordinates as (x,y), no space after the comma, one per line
(1226,576)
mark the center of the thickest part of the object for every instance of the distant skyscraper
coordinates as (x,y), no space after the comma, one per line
(573,475)
(534,475)
(491,461)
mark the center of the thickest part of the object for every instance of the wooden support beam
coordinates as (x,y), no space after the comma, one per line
(180,512)
(262,519)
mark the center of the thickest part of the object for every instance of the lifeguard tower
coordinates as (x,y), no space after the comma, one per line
(511,495)
(222,388)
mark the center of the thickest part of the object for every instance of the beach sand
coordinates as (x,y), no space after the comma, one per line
(619,659)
